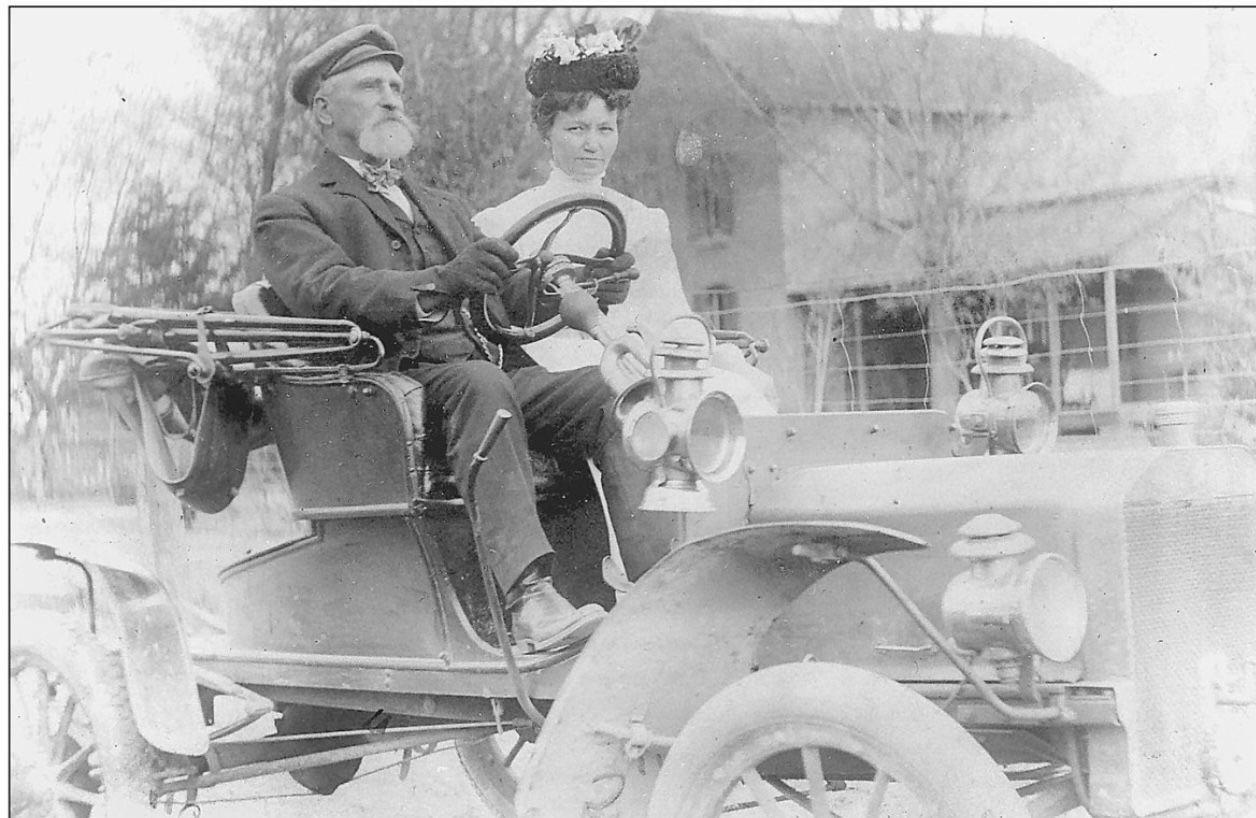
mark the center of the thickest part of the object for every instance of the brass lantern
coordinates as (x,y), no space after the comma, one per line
(1010,607)
(1005,414)
(687,435)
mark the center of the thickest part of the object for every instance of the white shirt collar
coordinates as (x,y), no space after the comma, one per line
(357,164)
(560,178)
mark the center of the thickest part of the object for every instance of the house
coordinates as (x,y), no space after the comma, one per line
(752,134)
(783,152)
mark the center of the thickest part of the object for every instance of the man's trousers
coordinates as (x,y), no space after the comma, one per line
(554,412)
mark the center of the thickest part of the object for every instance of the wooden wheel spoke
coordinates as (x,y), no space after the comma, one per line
(789,792)
(514,751)
(62,734)
(815,782)
(763,793)
(41,703)
(69,792)
(877,796)
(74,762)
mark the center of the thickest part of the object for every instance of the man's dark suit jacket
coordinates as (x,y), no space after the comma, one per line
(332,249)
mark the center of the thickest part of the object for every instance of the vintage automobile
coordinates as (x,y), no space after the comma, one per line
(882,613)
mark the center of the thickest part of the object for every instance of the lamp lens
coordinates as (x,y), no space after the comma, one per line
(716,441)
(1053,607)
(646,435)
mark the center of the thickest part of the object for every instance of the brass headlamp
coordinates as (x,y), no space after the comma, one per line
(689,436)
(668,421)
(1004,414)
(1009,609)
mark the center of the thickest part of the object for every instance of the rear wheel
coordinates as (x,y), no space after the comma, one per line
(493,765)
(75,750)
(824,739)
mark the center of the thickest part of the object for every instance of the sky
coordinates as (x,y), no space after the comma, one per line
(1128,51)
(103,51)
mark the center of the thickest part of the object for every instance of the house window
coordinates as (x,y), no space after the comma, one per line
(718,305)
(709,192)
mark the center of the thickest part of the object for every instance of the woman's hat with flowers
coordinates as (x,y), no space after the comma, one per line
(586,60)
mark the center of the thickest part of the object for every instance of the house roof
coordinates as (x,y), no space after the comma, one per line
(1149,224)
(1082,146)
(787,64)
(1109,180)
(1125,179)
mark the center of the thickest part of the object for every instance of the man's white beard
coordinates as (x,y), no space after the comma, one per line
(387,140)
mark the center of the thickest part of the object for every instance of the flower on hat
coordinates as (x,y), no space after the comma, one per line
(566,48)
(586,59)
(558,46)
(600,42)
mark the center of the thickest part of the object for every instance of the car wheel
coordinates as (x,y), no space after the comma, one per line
(824,739)
(493,765)
(75,751)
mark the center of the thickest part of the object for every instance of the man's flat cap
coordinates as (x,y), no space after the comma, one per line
(342,52)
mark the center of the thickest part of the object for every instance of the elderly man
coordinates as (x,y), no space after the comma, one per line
(355,238)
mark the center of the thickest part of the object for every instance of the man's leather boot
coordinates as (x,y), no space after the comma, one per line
(541,619)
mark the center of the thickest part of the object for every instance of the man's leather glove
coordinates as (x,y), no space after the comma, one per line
(481,267)
(614,277)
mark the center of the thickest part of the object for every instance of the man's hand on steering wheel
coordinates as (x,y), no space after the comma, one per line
(481,267)
(613,276)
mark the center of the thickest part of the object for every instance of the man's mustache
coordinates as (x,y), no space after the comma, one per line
(400,119)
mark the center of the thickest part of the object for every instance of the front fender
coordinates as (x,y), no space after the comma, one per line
(689,628)
(156,662)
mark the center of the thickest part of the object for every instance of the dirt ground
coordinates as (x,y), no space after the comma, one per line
(435,786)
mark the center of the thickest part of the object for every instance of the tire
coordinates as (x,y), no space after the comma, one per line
(68,704)
(492,766)
(748,740)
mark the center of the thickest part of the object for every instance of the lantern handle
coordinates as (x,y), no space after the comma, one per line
(993,322)
(981,337)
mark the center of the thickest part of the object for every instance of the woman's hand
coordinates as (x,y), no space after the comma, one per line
(614,277)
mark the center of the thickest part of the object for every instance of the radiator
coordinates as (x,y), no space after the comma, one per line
(1191,563)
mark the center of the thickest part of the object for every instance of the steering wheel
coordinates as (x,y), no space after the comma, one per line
(548,268)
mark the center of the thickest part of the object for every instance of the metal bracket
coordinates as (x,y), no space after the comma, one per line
(637,737)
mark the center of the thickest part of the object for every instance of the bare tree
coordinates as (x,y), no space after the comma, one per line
(88,179)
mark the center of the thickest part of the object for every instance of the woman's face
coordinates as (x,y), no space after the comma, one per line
(582,142)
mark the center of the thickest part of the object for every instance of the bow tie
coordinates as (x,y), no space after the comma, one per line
(379,179)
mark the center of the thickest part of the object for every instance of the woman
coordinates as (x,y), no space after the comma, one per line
(580,86)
